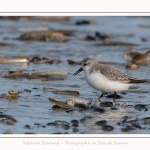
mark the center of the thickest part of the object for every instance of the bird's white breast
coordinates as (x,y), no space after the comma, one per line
(99,82)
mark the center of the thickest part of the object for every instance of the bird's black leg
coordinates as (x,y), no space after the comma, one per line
(114,96)
(101,96)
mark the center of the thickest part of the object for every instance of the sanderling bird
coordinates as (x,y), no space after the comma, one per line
(106,79)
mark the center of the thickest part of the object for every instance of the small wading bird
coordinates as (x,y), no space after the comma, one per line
(106,79)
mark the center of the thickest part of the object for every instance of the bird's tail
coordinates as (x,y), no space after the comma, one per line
(135,81)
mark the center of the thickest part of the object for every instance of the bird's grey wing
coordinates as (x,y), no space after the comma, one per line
(115,75)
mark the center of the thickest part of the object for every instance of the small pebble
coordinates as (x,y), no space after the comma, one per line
(28,91)
(101,123)
(83,22)
(123,120)
(37,95)
(90,38)
(106,104)
(66,127)
(82,120)
(88,117)
(137,126)
(114,108)
(85,118)
(50,124)
(145,121)
(38,124)
(70,110)
(143,39)
(107,128)
(100,35)
(127,128)
(35,88)
(75,130)
(59,122)
(29,127)
(75,123)
(97,109)
(139,107)
(82,106)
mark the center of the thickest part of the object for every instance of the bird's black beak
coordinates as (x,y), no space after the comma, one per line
(78,71)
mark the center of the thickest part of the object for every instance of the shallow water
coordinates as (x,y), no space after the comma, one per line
(34,107)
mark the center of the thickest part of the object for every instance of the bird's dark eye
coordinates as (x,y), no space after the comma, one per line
(84,64)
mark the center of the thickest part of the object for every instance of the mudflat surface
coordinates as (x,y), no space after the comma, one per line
(33,111)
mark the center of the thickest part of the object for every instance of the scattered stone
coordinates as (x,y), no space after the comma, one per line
(37,124)
(139,107)
(89,38)
(37,95)
(144,39)
(81,106)
(84,22)
(101,123)
(137,126)
(59,123)
(106,104)
(85,118)
(101,36)
(51,124)
(127,128)
(75,125)
(145,121)
(66,127)
(75,130)
(123,120)
(107,128)
(114,108)
(74,121)
(29,127)
(28,91)
(97,109)
(35,88)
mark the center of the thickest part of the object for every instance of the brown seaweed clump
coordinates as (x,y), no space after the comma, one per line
(46,36)
(135,59)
